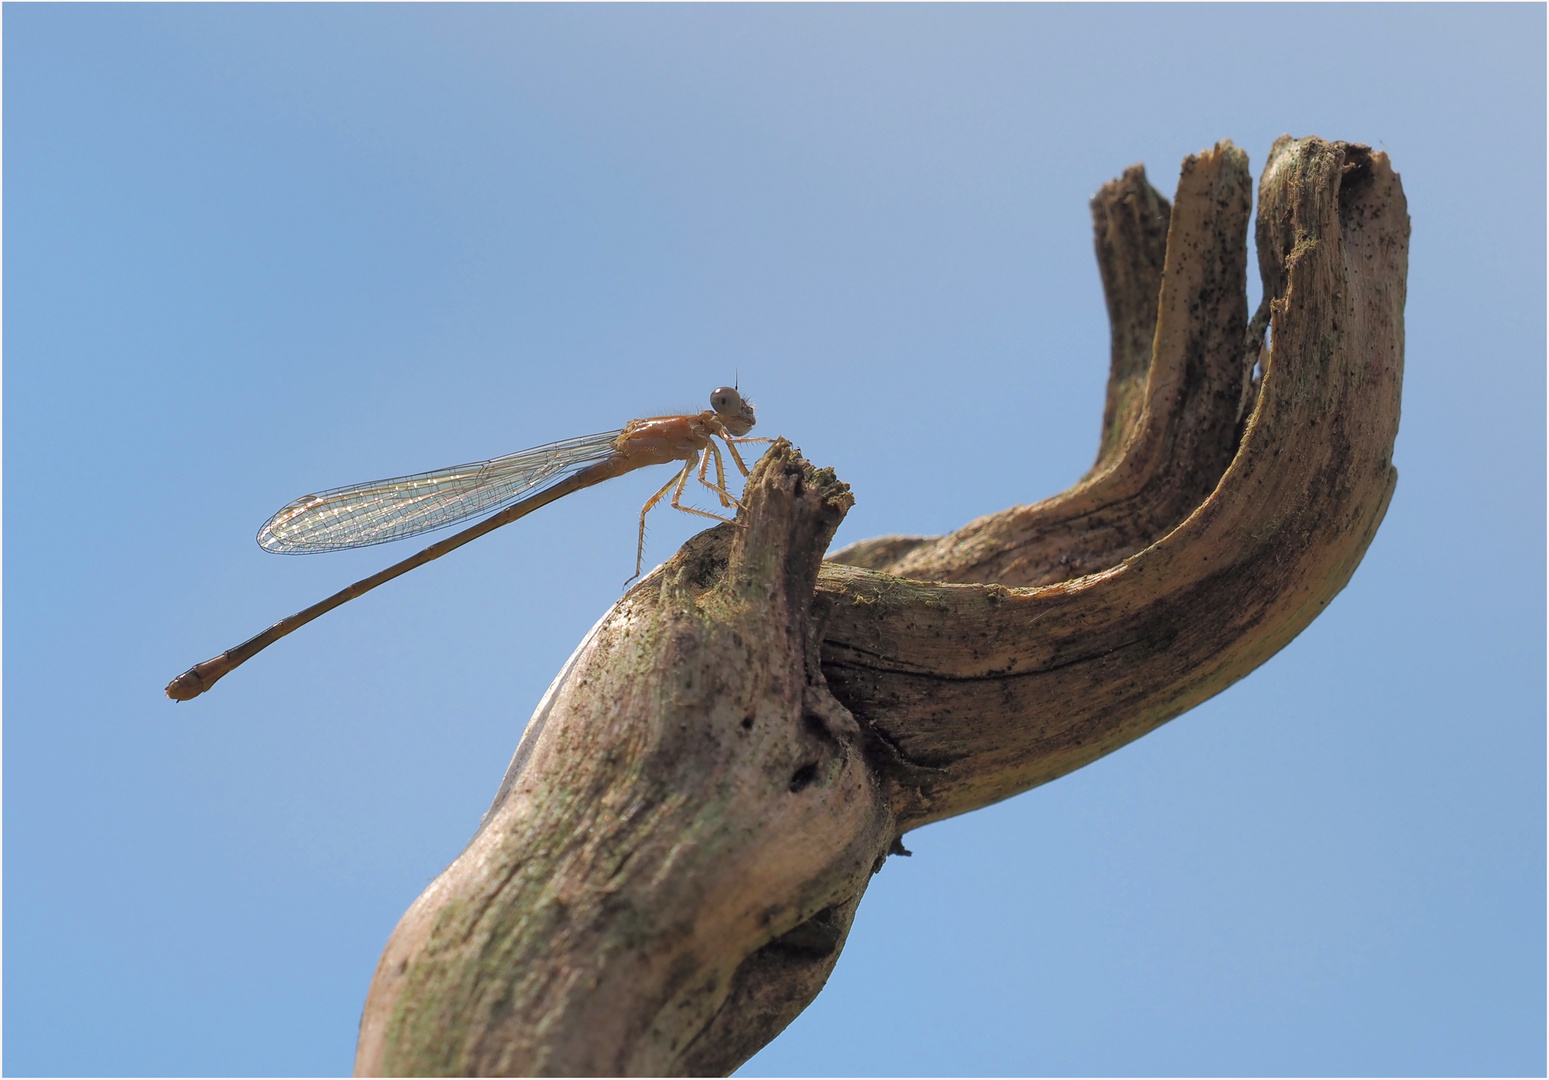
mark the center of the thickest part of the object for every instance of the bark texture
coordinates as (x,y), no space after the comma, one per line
(671,866)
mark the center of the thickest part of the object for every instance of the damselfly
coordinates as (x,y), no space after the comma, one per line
(514,485)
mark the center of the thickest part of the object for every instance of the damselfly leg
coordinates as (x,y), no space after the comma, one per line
(676,486)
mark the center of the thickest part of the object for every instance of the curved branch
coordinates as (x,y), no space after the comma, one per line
(671,866)
(980,691)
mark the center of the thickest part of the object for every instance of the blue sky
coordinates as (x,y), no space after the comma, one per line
(253,251)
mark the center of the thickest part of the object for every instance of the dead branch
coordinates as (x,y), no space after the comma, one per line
(671,866)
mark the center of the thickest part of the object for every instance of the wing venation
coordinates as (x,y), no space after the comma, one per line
(382,510)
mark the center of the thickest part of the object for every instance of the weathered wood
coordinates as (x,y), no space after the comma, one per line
(671,866)
(688,793)
(981,691)
(1166,440)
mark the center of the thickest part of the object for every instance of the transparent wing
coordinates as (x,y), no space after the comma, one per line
(383,510)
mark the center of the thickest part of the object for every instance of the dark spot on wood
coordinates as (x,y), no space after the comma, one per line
(802,778)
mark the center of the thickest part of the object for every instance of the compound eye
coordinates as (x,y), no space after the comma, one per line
(726,401)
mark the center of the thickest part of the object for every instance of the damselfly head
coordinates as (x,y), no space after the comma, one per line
(735,411)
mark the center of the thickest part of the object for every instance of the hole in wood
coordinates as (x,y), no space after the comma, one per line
(804,776)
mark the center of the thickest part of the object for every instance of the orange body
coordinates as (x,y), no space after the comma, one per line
(657,440)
